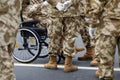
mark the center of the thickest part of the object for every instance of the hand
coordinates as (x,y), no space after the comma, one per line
(60,6)
(87,19)
(67,4)
(92,32)
(45,3)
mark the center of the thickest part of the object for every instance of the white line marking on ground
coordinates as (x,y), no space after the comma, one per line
(59,66)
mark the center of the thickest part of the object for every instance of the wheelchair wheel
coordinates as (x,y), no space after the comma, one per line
(44,49)
(58,59)
(28,46)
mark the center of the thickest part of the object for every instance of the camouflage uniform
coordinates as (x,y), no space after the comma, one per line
(9,22)
(37,13)
(107,35)
(25,10)
(85,34)
(87,40)
(64,25)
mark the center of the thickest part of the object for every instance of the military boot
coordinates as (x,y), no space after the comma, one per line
(68,66)
(94,62)
(78,49)
(52,64)
(90,54)
(98,72)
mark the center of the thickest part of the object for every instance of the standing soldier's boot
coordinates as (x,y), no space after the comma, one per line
(52,64)
(88,55)
(68,66)
(98,72)
(94,62)
(78,49)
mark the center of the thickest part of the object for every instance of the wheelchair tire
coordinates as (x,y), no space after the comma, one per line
(28,46)
(44,50)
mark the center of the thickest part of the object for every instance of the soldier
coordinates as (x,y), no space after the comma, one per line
(9,22)
(65,17)
(89,44)
(88,39)
(107,35)
(39,13)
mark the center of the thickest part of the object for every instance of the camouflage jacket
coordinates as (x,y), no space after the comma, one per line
(112,9)
(106,10)
(9,20)
(101,9)
(76,9)
(35,9)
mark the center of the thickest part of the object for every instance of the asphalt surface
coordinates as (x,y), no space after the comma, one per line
(36,71)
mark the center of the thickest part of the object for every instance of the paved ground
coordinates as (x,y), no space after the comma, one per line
(35,70)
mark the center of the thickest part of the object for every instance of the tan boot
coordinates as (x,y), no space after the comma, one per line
(94,62)
(52,64)
(90,54)
(68,66)
(78,49)
(98,72)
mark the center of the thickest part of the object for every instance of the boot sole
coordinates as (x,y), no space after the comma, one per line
(80,50)
(93,64)
(70,70)
(85,59)
(51,68)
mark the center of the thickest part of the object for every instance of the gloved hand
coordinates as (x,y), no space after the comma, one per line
(45,3)
(87,19)
(60,6)
(67,4)
(92,32)
(64,6)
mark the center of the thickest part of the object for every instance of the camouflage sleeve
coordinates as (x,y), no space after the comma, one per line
(3,6)
(52,2)
(94,12)
(26,2)
(10,9)
(95,6)
(6,5)
(34,10)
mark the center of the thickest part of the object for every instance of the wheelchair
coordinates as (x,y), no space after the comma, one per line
(31,42)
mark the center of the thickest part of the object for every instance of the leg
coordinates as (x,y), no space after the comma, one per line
(55,35)
(89,43)
(68,47)
(86,39)
(6,62)
(68,66)
(105,49)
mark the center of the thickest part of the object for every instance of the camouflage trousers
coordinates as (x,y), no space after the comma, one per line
(63,29)
(105,50)
(84,32)
(87,40)
(6,62)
